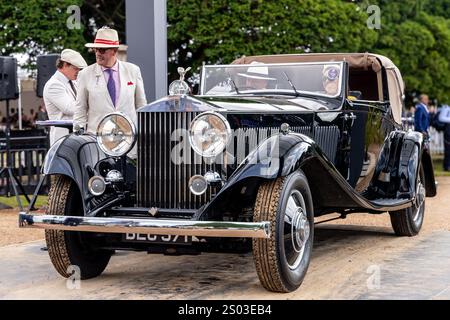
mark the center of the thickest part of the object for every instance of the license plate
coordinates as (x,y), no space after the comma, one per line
(153,238)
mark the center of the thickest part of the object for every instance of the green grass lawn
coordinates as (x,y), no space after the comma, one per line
(438,166)
(12,202)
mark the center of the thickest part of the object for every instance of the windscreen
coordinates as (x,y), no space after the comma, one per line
(323,79)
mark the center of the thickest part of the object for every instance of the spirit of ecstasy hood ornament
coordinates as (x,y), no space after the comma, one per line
(180,87)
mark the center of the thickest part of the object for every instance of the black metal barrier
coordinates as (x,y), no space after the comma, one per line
(28,150)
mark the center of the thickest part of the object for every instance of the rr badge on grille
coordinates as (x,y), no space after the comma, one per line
(153,211)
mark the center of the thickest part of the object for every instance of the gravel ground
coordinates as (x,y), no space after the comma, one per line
(10,233)
(342,265)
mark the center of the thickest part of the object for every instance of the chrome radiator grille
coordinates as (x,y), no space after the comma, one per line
(164,183)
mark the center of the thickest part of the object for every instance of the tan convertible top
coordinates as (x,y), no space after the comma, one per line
(356,61)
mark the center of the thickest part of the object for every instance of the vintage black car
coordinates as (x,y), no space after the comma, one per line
(269,144)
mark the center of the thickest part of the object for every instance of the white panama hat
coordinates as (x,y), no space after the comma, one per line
(105,38)
(259,71)
(73,57)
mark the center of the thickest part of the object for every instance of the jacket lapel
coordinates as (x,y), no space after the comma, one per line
(101,85)
(61,78)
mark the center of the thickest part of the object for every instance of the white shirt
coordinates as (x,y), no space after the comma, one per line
(59,100)
(444,115)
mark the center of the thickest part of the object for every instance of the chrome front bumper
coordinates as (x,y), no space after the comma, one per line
(147,226)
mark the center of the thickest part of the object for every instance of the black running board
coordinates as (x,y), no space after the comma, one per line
(391,204)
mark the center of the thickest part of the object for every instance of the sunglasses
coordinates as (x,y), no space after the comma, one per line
(101,50)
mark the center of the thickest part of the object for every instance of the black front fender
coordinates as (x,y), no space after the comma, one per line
(277,156)
(74,156)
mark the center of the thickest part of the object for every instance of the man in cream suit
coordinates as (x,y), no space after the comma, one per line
(107,86)
(60,91)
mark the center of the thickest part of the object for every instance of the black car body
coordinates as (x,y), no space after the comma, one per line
(241,168)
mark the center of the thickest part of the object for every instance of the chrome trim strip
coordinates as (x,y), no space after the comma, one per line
(164,160)
(169,161)
(155,160)
(178,196)
(147,226)
(184,168)
(162,165)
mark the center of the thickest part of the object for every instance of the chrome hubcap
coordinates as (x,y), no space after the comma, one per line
(299,230)
(296,229)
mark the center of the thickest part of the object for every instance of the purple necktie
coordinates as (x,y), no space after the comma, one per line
(111,86)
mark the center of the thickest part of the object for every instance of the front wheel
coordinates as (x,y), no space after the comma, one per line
(71,250)
(282,260)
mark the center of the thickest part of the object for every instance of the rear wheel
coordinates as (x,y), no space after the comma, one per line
(408,222)
(69,249)
(282,260)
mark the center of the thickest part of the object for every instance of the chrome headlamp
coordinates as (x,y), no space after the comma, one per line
(209,134)
(116,134)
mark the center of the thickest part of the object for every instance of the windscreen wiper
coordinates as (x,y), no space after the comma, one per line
(234,84)
(291,84)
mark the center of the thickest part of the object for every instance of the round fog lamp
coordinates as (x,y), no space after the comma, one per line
(198,185)
(96,185)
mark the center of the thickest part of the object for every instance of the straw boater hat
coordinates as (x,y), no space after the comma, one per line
(257,72)
(105,38)
(73,57)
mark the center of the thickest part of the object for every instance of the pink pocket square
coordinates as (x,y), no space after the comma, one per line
(130,83)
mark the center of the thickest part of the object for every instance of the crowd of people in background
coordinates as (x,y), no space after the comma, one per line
(28,119)
(427,115)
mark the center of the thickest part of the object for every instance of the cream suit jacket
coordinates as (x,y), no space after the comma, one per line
(59,100)
(93,99)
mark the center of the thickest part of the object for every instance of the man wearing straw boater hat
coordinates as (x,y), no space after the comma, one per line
(109,85)
(60,91)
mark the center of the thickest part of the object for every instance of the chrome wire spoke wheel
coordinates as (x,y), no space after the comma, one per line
(282,260)
(408,221)
(420,200)
(296,229)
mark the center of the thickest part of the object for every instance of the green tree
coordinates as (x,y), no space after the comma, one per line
(219,31)
(37,27)
(438,8)
(418,43)
(98,13)
(414,33)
